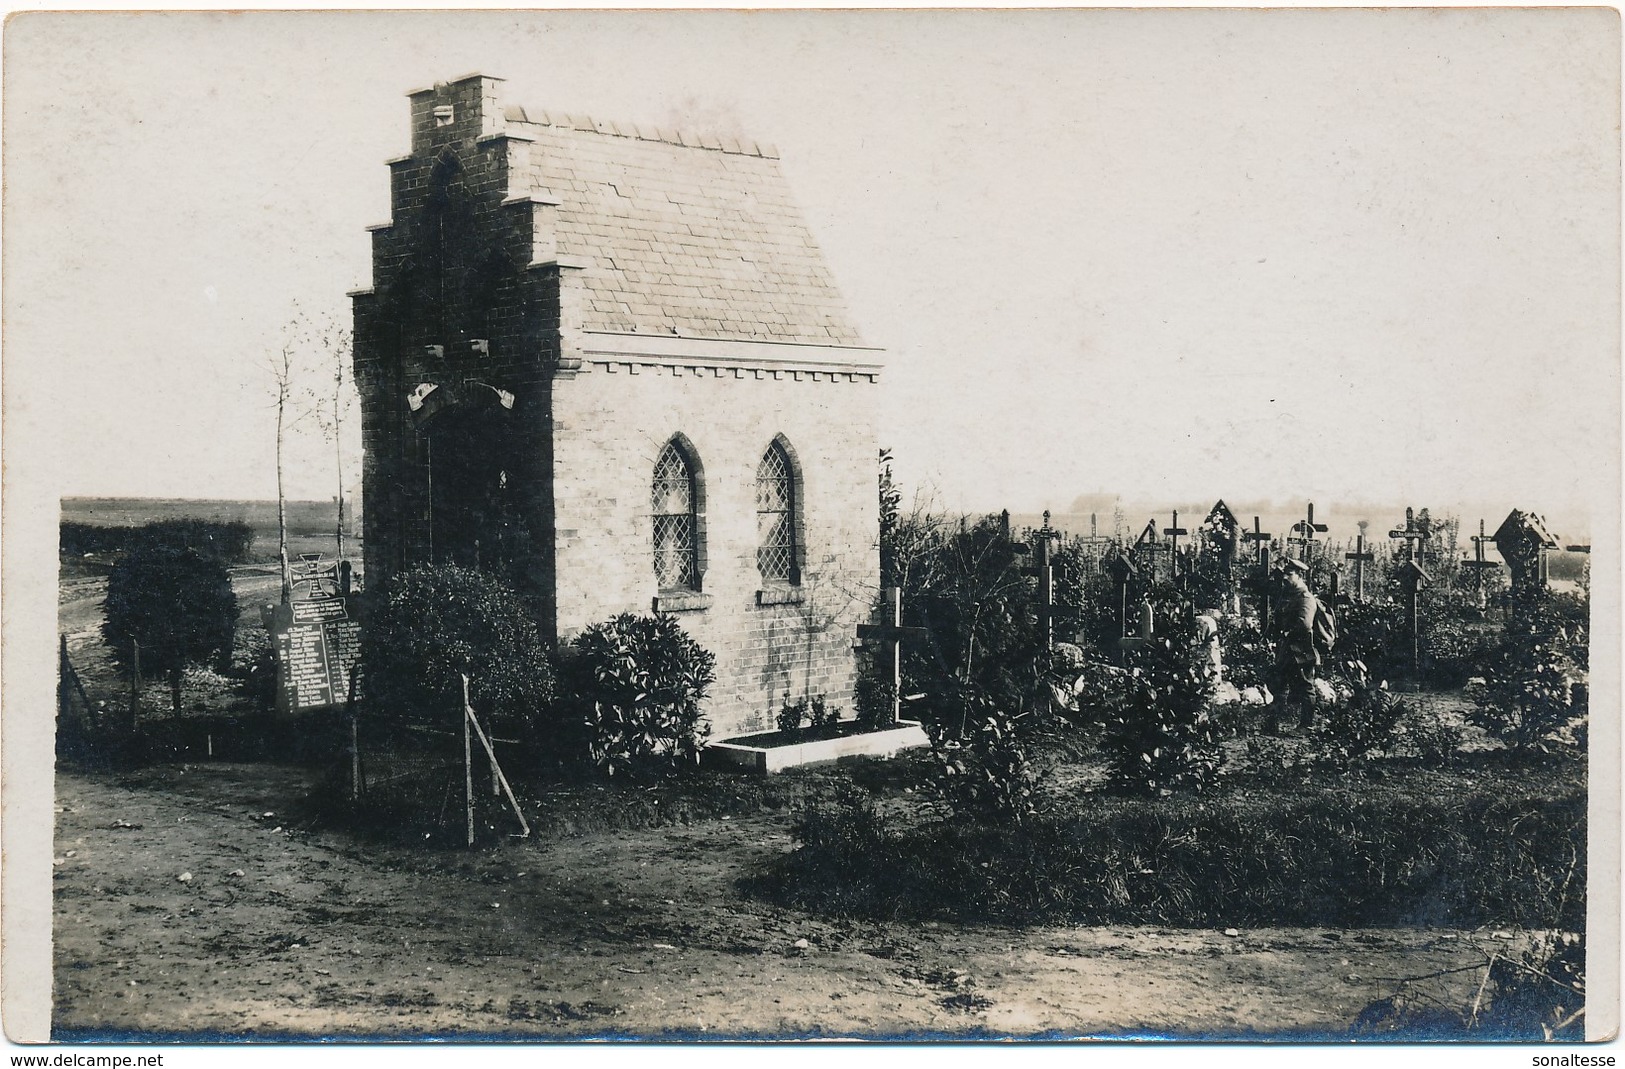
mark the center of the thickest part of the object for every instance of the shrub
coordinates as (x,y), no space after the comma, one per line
(821,714)
(435,623)
(1160,732)
(967,587)
(1433,742)
(792,713)
(1374,633)
(1527,700)
(1366,723)
(986,777)
(873,700)
(1536,993)
(637,682)
(176,604)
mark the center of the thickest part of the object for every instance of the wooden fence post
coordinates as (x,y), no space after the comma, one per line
(468,765)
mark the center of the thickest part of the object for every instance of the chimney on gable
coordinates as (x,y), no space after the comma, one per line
(455,112)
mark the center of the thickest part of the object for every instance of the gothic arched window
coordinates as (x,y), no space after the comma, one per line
(675,500)
(777,553)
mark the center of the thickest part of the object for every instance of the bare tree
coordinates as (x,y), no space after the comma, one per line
(331,344)
(310,379)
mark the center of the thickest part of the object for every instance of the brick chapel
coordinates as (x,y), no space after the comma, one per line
(607,359)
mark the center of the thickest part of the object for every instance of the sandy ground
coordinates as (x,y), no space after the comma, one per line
(184,905)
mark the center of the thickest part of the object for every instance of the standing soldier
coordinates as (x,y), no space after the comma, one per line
(1304,634)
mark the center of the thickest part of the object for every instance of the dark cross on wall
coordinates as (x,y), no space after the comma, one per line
(889,636)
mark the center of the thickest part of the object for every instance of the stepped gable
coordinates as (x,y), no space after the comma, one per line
(681,234)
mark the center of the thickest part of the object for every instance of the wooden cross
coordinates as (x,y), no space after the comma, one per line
(1261,585)
(1261,541)
(1123,573)
(890,636)
(1174,532)
(1359,557)
(1149,546)
(1478,564)
(1045,572)
(1411,533)
(1413,579)
(1303,533)
(1094,541)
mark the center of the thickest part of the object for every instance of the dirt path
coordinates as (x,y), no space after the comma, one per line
(645,933)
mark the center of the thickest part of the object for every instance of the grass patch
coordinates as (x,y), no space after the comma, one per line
(1355,855)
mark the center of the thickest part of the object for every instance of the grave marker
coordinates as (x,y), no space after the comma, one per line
(1045,572)
(1412,579)
(1478,564)
(1412,533)
(1173,549)
(1123,573)
(1360,556)
(890,636)
(1303,533)
(1523,542)
(1260,541)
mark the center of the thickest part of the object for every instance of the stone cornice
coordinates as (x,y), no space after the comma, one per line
(613,352)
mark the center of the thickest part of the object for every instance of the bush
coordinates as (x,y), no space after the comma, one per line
(637,682)
(987,776)
(1366,723)
(435,623)
(967,587)
(874,700)
(1527,701)
(1160,732)
(176,604)
(821,714)
(792,713)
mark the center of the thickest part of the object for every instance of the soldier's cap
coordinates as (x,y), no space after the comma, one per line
(1291,565)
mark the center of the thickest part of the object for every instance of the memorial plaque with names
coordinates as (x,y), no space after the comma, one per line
(317,642)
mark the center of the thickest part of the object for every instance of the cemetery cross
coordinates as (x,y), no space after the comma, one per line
(1045,572)
(890,636)
(1411,533)
(1359,557)
(1478,564)
(1303,533)
(1174,532)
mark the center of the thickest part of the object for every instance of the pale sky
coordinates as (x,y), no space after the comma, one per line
(1171,254)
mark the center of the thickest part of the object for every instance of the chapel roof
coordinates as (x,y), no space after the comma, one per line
(681,234)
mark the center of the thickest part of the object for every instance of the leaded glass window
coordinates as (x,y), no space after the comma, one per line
(775,516)
(676,561)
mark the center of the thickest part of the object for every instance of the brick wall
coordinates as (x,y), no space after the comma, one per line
(609,429)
